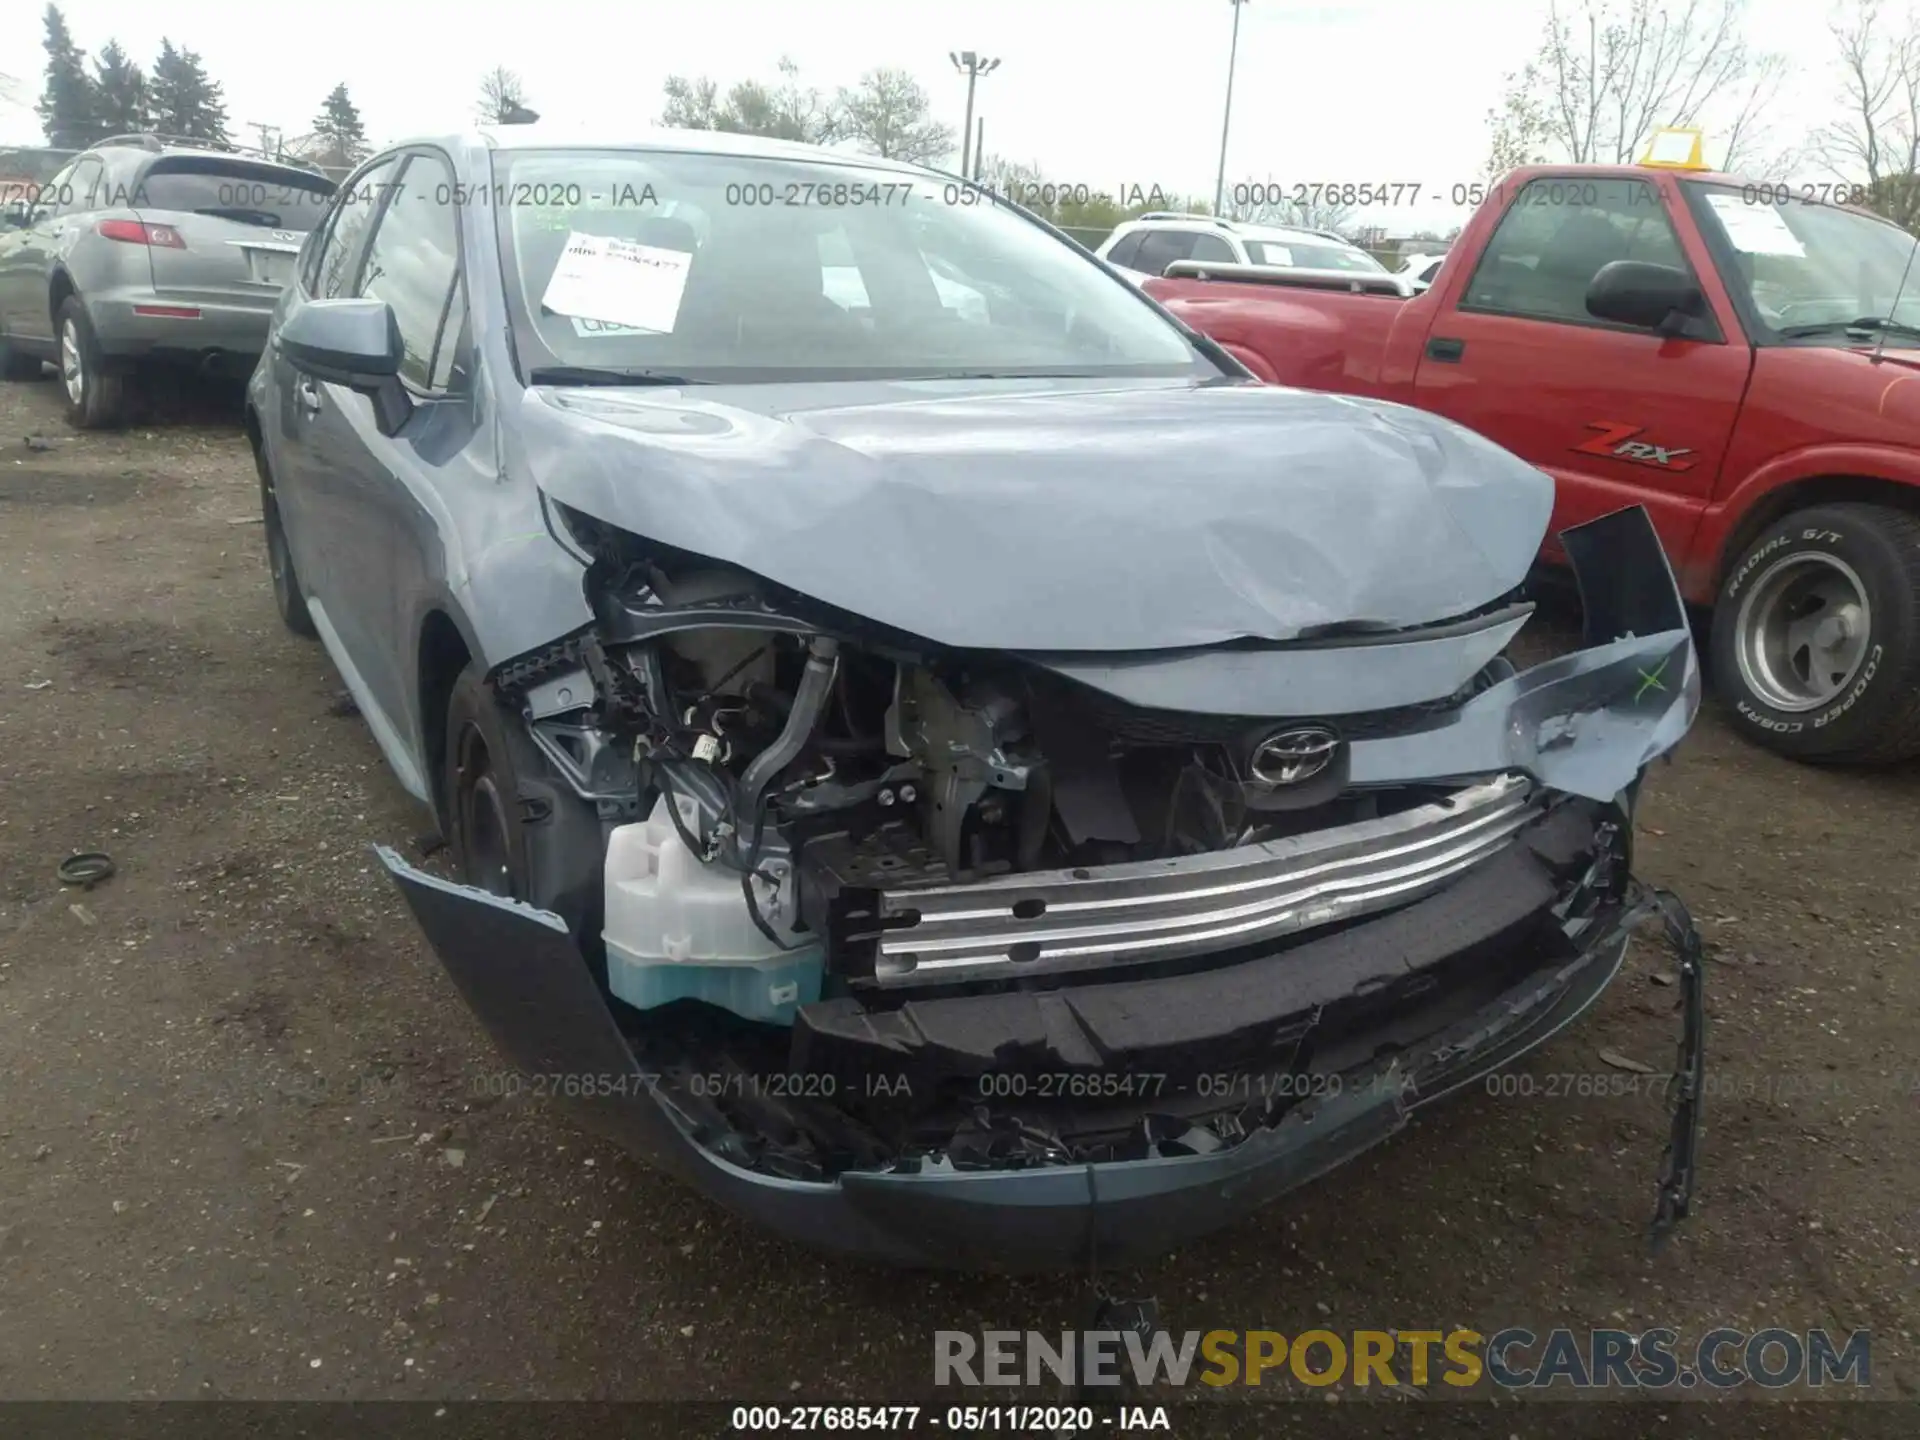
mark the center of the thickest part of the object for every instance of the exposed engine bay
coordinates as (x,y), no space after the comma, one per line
(872,903)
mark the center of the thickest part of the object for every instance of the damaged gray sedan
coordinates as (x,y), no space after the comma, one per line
(934,754)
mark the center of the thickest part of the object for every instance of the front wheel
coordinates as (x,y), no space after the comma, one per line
(486,814)
(1816,635)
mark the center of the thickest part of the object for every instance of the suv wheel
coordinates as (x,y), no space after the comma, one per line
(1816,635)
(96,395)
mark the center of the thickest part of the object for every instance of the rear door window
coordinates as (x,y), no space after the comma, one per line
(74,195)
(1125,253)
(1160,248)
(1211,248)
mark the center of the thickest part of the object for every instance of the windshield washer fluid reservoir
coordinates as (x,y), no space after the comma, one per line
(677,928)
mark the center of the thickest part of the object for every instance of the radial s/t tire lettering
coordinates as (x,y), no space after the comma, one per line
(1816,635)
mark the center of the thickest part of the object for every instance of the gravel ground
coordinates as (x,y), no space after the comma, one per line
(250,1151)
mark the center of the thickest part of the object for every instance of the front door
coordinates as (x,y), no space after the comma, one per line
(1618,416)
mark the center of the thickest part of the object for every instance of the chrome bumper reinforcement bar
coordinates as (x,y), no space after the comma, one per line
(1016,925)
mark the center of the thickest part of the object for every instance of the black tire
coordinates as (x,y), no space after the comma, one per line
(513,827)
(288,598)
(96,394)
(17,364)
(1872,715)
(486,820)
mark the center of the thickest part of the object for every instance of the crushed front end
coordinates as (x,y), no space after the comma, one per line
(1005,960)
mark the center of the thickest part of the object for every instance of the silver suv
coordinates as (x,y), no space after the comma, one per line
(141,251)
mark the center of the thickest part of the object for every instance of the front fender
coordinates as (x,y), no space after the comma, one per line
(1720,520)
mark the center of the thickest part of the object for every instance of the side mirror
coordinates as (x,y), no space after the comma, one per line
(1651,297)
(355,343)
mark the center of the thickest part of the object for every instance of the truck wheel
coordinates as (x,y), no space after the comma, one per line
(96,395)
(1816,635)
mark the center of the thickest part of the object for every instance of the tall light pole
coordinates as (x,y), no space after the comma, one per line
(1220,180)
(972,65)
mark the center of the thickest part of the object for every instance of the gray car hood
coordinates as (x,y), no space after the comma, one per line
(1057,515)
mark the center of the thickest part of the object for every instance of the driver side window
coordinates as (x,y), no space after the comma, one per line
(1557,236)
(335,262)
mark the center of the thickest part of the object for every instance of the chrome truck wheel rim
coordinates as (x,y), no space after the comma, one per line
(1802,631)
(71,370)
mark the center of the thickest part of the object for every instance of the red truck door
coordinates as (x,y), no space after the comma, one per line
(1617,415)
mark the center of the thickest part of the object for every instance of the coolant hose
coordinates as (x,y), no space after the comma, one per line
(809,700)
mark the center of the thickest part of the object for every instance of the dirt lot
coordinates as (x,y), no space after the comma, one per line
(248,1150)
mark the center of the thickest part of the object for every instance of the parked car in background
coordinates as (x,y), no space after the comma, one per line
(1741,358)
(876,717)
(1145,247)
(141,252)
(1420,270)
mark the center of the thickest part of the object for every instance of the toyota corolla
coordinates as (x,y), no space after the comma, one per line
(931,751)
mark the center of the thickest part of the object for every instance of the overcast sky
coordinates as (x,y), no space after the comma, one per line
(1106,93)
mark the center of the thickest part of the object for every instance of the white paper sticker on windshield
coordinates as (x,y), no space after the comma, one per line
(1755,229)
(1277,254)
(603,278)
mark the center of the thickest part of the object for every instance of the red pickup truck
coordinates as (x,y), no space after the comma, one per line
(1741,359)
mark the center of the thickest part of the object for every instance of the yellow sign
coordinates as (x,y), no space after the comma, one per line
(1675,148)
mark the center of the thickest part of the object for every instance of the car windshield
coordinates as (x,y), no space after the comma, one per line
(1813,270)
(234,190)
(1309,256)
(648,264)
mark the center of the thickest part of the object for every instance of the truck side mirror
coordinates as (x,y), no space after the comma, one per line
(1648,296)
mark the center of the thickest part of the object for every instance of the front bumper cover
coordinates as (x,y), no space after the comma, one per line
(1584,725)
(521,973)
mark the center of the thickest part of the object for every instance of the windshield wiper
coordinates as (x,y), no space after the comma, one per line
(1866,325)
(599,375)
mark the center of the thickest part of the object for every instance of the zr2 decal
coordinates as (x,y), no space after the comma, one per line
(1615,442)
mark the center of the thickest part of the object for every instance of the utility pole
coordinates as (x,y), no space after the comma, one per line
(1233,55)
(979,148)
(973,65)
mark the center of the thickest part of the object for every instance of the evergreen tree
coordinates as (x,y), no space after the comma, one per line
(183,101)
(68,107)
(338,129)
(120,91)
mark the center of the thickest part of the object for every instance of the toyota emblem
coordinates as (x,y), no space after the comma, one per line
(1294,756)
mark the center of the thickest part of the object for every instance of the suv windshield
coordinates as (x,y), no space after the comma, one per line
(1812,270)
(1312,257)
(644,265)
(266,195)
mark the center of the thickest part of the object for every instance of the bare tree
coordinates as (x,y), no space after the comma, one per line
(785,110)
(1880,134)
(889,114)
(1609,73)
(503,99)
